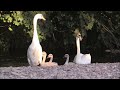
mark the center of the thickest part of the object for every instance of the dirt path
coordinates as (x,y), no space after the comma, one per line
(71,71)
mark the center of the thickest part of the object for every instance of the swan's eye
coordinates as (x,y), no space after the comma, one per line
(79,35)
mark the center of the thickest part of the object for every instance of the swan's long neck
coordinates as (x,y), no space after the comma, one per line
(67,60)
(44,58)
(35,35)
(51,59)
(78,45)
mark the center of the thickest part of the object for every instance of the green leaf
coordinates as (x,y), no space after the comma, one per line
(10,29)
(89,26)
(10,19)
(16,23)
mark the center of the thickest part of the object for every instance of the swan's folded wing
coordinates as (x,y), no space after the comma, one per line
(34,55)
(86,59)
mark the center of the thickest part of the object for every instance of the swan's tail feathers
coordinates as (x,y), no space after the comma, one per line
(88,58)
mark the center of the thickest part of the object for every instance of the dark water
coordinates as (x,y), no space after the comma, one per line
(7,61)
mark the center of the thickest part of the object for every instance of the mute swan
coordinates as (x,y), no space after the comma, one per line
(34,52)
(81,58)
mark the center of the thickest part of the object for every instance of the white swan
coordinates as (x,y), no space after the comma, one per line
(34,52)
(81,58)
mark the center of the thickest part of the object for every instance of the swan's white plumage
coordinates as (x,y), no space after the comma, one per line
(34,52)
(81,58)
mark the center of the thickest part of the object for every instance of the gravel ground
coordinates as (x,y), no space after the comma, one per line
(70,71)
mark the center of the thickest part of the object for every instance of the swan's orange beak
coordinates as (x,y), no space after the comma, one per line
(43,18)
(80,38)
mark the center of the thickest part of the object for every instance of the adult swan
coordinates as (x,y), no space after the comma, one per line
(80,58)
(34,52)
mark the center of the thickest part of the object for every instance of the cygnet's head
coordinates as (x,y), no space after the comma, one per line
(40,16)
(44,53)
(50,56)
(66,55)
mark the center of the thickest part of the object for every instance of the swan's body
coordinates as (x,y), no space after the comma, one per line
(81,58)
(34,52)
